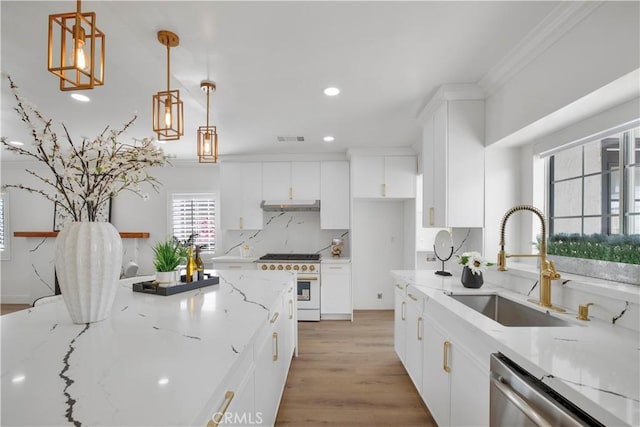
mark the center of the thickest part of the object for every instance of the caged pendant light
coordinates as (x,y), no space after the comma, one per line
(76,50)
(168,118)
(207,135)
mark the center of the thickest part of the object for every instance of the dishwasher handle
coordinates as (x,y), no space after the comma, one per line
(501,385)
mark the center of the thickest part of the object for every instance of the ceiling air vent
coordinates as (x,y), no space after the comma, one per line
(291,139)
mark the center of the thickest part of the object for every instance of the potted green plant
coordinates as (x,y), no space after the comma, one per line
(167,256)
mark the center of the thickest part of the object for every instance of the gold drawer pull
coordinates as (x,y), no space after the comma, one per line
(413,298)
(217,416)
(290,193)
(241,223)
(419,328)
(445,357)
(275,339)
(275,317)
(403,310)
(335,268)
(384,190)
(235,267)
(430,216)
(290,309)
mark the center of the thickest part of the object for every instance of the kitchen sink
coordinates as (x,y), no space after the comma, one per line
(507,312)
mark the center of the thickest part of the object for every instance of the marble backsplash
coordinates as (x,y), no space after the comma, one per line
(284,232)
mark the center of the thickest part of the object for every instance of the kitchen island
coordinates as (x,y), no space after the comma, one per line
(162,361)
(595,365)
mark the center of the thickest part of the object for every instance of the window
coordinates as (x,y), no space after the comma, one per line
(4,226)
(194,214)
(595,188)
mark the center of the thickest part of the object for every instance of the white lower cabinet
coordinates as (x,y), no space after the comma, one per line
(400,321)
(335,291)
(455,386)
(414,337)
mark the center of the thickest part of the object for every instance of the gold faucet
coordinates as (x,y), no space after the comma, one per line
(547,268)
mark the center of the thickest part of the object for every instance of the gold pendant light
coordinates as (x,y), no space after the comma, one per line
(76,50)
(207,135)
(168,118)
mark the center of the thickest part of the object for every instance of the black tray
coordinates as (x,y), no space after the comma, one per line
(151,287)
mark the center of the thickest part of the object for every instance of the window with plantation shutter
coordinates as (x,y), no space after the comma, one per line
(194,214)
(4,226)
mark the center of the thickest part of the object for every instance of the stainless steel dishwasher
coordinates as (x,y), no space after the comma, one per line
(520,399)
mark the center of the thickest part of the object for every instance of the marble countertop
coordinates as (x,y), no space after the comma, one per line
(234,258)
(155,361)
(596,365)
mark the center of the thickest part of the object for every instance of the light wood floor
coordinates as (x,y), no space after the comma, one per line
(348,374)
(10,308)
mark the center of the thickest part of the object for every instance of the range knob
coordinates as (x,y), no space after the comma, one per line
(280,267)
(264,266)
(272,267)
(304,268)
(312,268)
(296,267)
(288,267)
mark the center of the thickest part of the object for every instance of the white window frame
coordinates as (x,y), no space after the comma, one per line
(5,254)
(211,248)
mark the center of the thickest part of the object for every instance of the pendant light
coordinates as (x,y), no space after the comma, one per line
(168,118)
(76,50)
(207,135)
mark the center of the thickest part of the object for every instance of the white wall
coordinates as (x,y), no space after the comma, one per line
(601,48)
(377,243)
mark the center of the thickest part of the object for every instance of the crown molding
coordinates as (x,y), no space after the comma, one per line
(555,25)
(380,151)
(451,92)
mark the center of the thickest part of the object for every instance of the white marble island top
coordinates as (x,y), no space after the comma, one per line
(155,361)
(596,365)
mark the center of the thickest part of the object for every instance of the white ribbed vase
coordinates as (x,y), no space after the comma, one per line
(88,262)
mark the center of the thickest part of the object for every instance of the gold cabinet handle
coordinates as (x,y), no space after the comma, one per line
(236,267)
(290,193)
(275,339)
(445,357)
(241,223)
(430,216)
(403,310)
(419,328)
(290,309)
(399,287)
(217,416)
(413,298)
(335,268)
(275,317)
(384,190)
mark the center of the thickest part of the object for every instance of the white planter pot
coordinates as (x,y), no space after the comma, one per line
(88,261)
(167,278)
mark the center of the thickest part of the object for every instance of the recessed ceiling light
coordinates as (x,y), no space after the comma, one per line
(329,138)
(163,381)
(331,91)
(80,97)
(16,143)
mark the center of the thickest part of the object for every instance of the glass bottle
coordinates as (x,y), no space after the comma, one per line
(191,266)
(199,264)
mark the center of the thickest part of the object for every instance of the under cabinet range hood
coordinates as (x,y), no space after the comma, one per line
(290,205)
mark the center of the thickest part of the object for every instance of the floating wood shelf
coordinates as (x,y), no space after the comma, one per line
(123,234)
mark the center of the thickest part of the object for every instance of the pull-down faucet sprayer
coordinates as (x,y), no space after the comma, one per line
(547,268)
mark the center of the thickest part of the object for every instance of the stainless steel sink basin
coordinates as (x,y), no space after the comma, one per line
(507,312)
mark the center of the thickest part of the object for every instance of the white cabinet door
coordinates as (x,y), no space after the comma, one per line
(469,389)
(435,378)
(414,338)
(400,322)
(334,195)
(400,177)
(453,165)
(240,196)
(241,408)
(305,180)
(335,290)
(276,180)
(368,176)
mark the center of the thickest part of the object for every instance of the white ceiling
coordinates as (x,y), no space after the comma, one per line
(271,61)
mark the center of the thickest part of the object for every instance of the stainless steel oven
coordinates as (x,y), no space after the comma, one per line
(519,399)
(307,268)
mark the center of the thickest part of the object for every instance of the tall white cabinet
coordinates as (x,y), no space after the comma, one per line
(453,159)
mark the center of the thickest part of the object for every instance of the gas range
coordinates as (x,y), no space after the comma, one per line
(303,263)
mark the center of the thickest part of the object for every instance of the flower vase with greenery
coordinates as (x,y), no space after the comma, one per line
(80,178)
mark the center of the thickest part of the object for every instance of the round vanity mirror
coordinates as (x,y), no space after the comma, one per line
(443,248)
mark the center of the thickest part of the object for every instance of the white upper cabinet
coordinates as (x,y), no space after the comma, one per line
(334,195)
(384,177)
(240,196)
(291,180)
(453,165)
